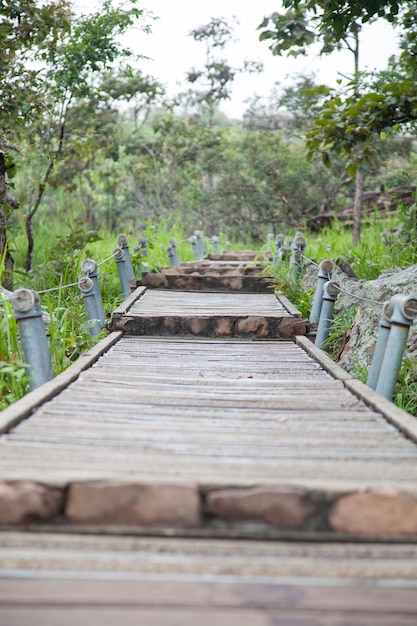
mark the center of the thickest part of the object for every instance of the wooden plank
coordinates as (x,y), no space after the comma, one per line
(396,416)
(20,410)
(91,616)
(220,412)
(155,302)
(130,301)
(311,597)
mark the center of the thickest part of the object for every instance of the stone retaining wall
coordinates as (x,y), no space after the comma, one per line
(359,513)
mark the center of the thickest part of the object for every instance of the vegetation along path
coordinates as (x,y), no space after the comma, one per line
(207,463)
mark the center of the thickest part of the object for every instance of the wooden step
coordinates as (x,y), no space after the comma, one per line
(167,313)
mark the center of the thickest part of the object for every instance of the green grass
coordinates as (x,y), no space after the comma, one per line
(60,250)
(384,244)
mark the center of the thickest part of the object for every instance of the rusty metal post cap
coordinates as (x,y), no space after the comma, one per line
(89,266)
(23,300)
(85,284)
(331,290)
(118,254)
(326,266)
(122,240)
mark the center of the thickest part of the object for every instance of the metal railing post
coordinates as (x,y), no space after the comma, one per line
(330,293)
(193,242)
(404,313)
(124,245)
(87,289)
(28,313)
(215,242)
(296,259)
(119,257)
(325,274)
(279,244)
(173,254)
(142,248)
(200,246)
(381,344)
(90,269)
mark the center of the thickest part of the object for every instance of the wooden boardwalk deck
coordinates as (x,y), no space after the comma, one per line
(231,479)
(211,412)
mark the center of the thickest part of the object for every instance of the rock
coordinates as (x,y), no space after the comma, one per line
(377,513)
(188,283)
(360,347)
(111,502)
(155,281)
(197,325)
(234,283)
(25,502)
(224,327)
(281,506)
(291,326)
(257,326)
(360,341)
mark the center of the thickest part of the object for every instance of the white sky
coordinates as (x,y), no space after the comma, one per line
(173,51)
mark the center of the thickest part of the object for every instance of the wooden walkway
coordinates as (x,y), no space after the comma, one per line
(234,477)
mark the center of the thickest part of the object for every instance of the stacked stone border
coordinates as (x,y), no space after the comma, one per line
(140,507)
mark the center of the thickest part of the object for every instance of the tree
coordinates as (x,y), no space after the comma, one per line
(89,48)
(28,33)
(213,82)
(134,87)
(352,117)
(293,34)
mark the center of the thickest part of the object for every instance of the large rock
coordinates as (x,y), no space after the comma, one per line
(375,513)
(128,503)
(25,502)
(360,342)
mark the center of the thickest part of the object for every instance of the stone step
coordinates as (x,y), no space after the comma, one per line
(167,313)
(225,280)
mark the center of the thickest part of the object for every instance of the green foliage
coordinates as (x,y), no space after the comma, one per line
(405,393)
(214,80)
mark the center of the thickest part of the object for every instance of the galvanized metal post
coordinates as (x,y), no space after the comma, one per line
(325,274)
(142,248)
(90,269)
(28,313)
(124,245)
(404,313)
(296,259)
(119,257)
(330,292)
(199,244)
(381,344)
(193,242)
(215,242)
(87,288)
(279,244)
(173,254)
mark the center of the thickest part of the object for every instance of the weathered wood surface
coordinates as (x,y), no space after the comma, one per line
(53,579)
(160,312)
(244,432)
(219,412)
(200,438)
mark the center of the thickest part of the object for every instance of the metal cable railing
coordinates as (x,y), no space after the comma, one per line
(398,315)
